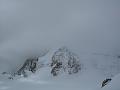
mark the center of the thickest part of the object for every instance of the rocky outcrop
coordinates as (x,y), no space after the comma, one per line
(29,65)
(106,81)
(64,60)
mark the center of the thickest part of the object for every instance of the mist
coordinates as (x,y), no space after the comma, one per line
(31,26)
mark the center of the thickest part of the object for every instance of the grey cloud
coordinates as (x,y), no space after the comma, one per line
(83,25)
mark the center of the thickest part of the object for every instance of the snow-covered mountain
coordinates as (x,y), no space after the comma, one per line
(64,60)
(62,69)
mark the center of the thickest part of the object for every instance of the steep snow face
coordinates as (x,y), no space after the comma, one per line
(64,60)
(108,65)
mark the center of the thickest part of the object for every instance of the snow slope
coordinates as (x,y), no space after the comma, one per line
(94,71)
(45,81)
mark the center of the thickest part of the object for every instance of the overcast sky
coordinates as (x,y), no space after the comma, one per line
(83,25)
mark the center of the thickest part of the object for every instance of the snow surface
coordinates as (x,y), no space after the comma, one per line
(45,81)
(93,72)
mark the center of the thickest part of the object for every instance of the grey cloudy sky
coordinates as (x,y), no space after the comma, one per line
(84,25)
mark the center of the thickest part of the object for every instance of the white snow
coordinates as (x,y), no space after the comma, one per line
(89,78)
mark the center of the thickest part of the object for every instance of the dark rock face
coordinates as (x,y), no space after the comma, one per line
(73,66)
(106,81)
(65,61)
(29,65)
